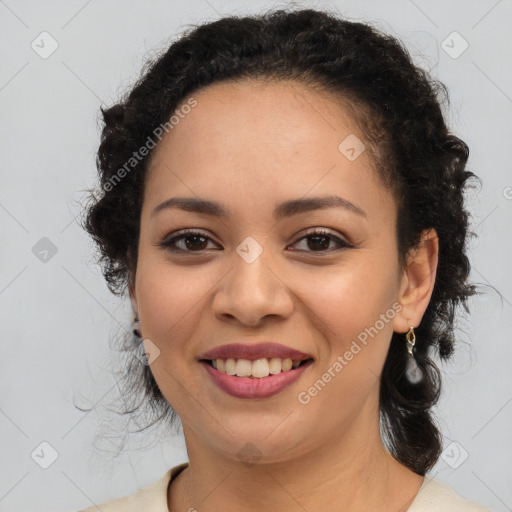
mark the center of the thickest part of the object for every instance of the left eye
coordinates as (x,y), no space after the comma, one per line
(322,238)
(318,239)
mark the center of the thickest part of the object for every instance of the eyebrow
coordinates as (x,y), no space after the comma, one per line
(286,209)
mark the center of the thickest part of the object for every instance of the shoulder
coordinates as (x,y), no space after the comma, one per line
(152,498)
(435,495)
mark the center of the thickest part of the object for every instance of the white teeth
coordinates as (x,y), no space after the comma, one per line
(230,366)
(243,368)
(275,365)
(258,368)
(286,364)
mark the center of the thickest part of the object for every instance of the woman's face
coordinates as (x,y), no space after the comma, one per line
(255,278)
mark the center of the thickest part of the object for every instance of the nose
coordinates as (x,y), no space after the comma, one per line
(251,291)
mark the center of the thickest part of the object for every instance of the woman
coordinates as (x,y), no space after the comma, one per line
(283,201)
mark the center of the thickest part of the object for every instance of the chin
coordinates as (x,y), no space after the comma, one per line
(277,442)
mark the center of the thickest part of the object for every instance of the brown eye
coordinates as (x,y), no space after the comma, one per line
(191,241)
(319,240)
(195,241)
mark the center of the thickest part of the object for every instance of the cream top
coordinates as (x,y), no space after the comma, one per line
(433,496)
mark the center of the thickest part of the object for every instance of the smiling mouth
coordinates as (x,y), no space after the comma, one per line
(256,369)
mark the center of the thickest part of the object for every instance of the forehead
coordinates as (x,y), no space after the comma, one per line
(247,116)
(258,141)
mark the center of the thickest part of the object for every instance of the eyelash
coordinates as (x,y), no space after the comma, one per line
(169,244)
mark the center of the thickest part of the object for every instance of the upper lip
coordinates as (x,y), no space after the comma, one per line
(255,351)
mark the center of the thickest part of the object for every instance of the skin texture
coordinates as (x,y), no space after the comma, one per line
(251,145)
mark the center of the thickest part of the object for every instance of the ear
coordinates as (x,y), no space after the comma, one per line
(133,295)
(131,283)
(417,283)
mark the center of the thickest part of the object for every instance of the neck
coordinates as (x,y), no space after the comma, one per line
(353,470)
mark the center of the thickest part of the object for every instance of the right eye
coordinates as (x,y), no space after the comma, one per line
(194,241)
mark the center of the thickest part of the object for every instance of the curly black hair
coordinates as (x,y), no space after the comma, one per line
(396,104)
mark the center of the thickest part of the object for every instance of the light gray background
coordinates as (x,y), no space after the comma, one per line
(57,317)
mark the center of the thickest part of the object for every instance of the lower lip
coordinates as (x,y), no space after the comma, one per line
(247,387)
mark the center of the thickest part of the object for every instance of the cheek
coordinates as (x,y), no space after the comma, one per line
(354,308)
(171,304)
(354,311)
(170,300)
(349,298)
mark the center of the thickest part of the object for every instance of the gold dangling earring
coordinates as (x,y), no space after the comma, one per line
(413,372)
